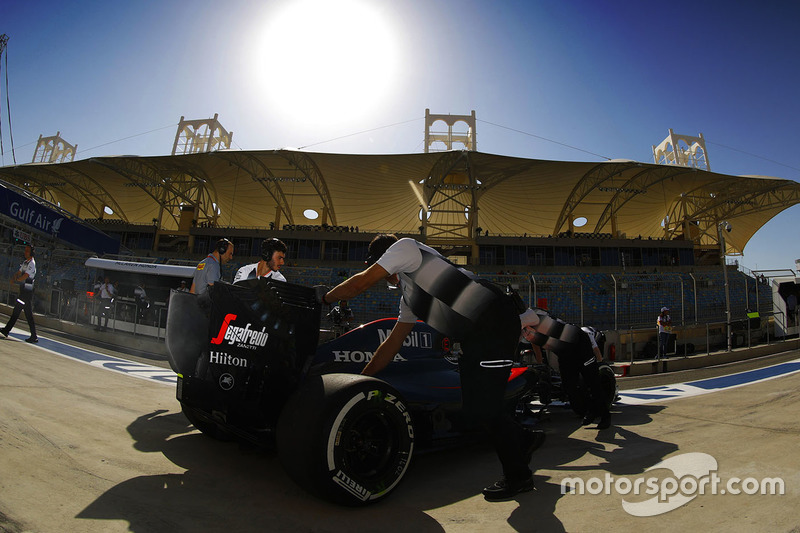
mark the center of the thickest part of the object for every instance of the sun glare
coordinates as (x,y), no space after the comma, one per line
(324,61)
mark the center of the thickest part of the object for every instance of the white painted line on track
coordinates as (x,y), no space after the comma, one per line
(629,397)
(151,373)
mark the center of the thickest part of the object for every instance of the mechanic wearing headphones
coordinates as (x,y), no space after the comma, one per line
(472,311)
(273,254)
(24,276)
(577,353)
(208,270)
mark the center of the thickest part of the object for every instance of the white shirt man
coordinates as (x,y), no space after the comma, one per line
(664,323)
(25,275)
(455,302)
(106,290)
(273,256)
(106,293)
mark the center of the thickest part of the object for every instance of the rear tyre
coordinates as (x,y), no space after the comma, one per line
(346,438)
(608,384)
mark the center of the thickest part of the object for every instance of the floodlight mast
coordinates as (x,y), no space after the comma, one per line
(725,225)
(3,46)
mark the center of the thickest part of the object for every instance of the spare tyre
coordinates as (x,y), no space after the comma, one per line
(346,438)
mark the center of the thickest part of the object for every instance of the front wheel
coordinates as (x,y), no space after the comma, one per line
(346,438)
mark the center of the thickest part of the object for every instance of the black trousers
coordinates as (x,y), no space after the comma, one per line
(103,312)
(24,302)
(663,341)
(495,337)
(580,361)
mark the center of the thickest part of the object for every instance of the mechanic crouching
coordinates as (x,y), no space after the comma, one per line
(458,304)
(578,355)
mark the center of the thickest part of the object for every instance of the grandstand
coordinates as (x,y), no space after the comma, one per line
(600,243)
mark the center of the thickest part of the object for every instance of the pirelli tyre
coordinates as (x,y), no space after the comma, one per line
(346,438)
(608,384)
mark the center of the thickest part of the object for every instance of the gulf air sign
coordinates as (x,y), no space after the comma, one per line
(242,337)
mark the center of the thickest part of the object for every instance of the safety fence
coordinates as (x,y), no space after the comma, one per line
(621,302)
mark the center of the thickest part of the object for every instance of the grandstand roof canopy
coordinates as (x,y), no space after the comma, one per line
(462,190)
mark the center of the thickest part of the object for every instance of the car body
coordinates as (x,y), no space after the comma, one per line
(250,367)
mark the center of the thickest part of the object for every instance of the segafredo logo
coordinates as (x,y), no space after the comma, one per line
(242,337)
(417,339)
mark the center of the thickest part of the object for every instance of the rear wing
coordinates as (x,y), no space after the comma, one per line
(255,318)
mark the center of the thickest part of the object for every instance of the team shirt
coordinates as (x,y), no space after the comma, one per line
(592,335)
(250,272)
(553,333)
(28,267)
(107,291)
(663,324)
(207,272)
(445,296)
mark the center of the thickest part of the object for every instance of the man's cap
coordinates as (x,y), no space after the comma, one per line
(664,309)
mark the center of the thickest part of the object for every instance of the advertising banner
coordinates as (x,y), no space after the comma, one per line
(42,219)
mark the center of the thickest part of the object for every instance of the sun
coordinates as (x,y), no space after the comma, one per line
(322,61)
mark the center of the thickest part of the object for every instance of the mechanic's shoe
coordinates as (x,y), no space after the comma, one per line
(4,332)
(503,490)
(532,440)
(587,420)
(32,340)
(605,422)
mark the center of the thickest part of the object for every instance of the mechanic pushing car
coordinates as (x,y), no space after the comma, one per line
(471,311)
(578,354)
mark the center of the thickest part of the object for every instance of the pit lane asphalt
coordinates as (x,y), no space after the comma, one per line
(85,449)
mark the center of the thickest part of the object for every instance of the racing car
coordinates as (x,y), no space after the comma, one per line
(250,367)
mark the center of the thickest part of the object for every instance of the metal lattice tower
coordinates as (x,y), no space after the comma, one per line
(54,150)
(467,139)
(203,135)
(682,150)
(449,208)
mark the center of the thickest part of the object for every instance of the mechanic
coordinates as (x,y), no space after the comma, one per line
(273,255)
(24,276)
(664,324)
(475,312)
(578,354)
(594,335)
(208,270)
(106,293)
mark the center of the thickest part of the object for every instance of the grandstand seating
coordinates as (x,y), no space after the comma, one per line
(608,300)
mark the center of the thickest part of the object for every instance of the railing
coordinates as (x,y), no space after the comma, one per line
(125,315)
(619,302)
(642,343)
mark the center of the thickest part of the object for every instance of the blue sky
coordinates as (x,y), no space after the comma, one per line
(606,79)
